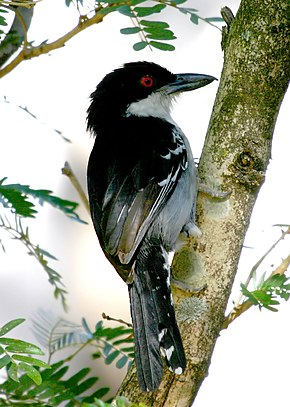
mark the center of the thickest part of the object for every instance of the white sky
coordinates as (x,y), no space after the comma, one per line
(248,365)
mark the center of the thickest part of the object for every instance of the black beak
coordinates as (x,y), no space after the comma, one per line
(185,82)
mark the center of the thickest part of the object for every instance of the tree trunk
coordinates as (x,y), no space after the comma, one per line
(235,157)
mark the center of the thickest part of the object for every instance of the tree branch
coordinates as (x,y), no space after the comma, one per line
(235,156)
(32,52)
(67,170)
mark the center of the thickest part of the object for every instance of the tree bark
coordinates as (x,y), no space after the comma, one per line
(235,157)
(17,34)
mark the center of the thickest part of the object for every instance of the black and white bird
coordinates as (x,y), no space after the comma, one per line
(142,186)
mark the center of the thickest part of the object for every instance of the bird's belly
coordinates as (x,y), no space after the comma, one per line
(177,211)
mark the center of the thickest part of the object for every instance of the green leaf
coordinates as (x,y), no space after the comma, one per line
(275,281)
(135,2)
(4,361)
(124,340)
(162,46)
(31,361)
(125,10)
(98,328)
(10,325)
(194,18)
(2,22)
(16,196)
(147,11)
(31,372)
(101,392)
(159,34)
(112,356)
(122,362)
(46,253)
(84,386)
(268,291)
(154,24)
(18,346)
(45,196)
(96,355)
(107,349)
(76,378)
(14,199)
(111,333)
(87,328)
(248,294)
(130,30)
(3,19)
(13,372)
(138,46)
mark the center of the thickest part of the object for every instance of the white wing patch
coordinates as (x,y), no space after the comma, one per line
(180,148)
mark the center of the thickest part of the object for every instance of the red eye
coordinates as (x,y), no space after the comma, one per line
(147,81)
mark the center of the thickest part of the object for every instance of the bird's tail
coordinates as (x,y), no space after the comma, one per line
(155,328)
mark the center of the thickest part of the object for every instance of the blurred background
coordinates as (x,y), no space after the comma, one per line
(249,364)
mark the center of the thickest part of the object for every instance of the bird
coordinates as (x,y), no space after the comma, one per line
(142,188)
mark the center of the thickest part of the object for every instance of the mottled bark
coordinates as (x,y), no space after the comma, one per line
(235,157)
(17,34)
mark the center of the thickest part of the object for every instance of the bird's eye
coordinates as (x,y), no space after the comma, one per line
(147,81)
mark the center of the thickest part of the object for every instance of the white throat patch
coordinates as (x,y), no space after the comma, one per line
(155,105)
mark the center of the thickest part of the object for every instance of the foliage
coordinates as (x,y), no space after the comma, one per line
(54,389)
(151,32)
(2,19)
(154,34)
(113,344)
(16,198)
(16,355)
(268,291)
(32,381)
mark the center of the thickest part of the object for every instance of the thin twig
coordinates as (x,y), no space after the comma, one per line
(67,170)
(108,318)
(255,267)
(239,309)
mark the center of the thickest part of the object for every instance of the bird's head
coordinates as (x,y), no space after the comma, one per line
(140,89)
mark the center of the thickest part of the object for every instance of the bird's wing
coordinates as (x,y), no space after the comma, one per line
(129,207)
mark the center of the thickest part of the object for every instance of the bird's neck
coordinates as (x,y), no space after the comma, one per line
(155,105)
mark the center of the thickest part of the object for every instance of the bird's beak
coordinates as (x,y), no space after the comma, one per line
(187,81)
